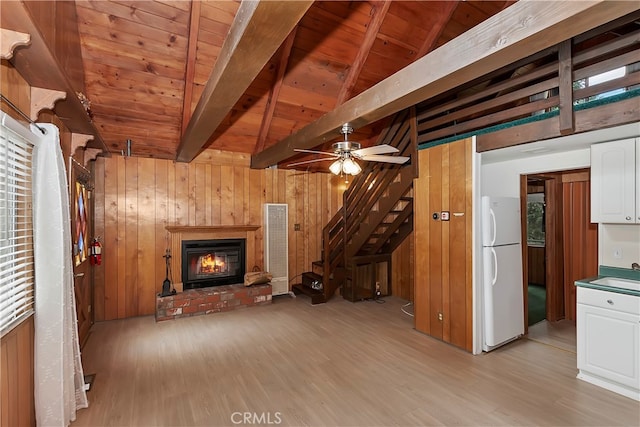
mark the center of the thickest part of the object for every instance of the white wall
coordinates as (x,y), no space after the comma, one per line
(503,178)
(621,239)
(501,170)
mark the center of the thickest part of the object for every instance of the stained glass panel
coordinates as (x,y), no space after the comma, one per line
(82,245)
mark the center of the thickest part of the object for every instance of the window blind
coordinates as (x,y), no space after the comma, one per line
(16,224)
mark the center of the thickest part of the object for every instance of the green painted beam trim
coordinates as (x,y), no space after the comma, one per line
(584,106)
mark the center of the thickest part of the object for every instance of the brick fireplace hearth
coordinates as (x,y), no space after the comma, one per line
(193,302)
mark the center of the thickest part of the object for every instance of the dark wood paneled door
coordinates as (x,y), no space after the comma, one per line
(81,188)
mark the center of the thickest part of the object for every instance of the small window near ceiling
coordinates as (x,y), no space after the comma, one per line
(597,79)
(535,219)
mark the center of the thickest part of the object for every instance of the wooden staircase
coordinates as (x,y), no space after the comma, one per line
(376,216)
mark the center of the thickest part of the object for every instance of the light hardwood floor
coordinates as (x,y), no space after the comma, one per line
(560,334)
(335,364)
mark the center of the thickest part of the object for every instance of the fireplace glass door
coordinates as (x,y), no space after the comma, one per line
(212,262)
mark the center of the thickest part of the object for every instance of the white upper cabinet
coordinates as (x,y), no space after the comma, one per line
(615,182)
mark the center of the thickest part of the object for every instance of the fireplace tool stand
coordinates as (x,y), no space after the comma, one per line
(166,284)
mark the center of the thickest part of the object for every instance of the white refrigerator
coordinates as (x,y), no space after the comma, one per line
(502,271)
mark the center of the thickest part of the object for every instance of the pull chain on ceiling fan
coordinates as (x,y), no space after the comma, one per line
(346,153)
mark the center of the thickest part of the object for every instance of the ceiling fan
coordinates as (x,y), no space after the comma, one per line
(345,153)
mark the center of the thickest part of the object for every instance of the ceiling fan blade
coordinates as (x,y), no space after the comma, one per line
(310,161)
(376,149)
(301,150)
(386,159)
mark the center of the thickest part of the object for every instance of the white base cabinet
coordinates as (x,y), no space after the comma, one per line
(608,340)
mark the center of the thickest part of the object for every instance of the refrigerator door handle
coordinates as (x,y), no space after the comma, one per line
(494,263)
(493,227)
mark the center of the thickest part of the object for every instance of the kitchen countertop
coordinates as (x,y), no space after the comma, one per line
(605,271)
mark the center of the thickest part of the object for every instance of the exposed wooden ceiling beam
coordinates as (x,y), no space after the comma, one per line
(446,12)
(380,10)
(275,90)
(190,68)
(257,31)
(521,29)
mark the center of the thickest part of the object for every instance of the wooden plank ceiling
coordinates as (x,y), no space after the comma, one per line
(146,64)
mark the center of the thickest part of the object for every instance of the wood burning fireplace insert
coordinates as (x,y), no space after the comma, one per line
(212,262)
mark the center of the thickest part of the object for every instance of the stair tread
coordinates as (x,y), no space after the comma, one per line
(317,296)
(312,275)
(307,290)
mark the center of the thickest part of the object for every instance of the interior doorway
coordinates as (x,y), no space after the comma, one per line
(535,247)
(80,190)
(560,243)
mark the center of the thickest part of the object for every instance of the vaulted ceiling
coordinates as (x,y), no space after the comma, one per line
(147,63)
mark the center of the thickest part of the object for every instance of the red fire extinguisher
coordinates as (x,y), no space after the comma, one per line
(96,253)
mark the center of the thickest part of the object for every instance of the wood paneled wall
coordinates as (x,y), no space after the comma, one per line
(443,260)
(17,406)
(16,89)
(402,270)
(136,198)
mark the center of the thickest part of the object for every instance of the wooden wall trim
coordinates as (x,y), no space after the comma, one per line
(10,41)
(211,229)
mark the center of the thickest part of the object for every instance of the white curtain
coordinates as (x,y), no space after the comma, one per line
(58,376)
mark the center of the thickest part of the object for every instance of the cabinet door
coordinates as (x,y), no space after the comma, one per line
(608,344)
(613,182)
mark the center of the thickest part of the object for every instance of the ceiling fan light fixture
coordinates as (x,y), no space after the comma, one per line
(347,154)
(350,167)
(336,167)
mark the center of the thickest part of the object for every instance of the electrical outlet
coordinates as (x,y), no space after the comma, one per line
(296,227)
(440,317)
(617,253)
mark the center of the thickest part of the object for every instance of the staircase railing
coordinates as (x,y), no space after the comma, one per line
(350,228)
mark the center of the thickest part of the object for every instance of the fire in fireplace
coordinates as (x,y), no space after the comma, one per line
(212,262)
